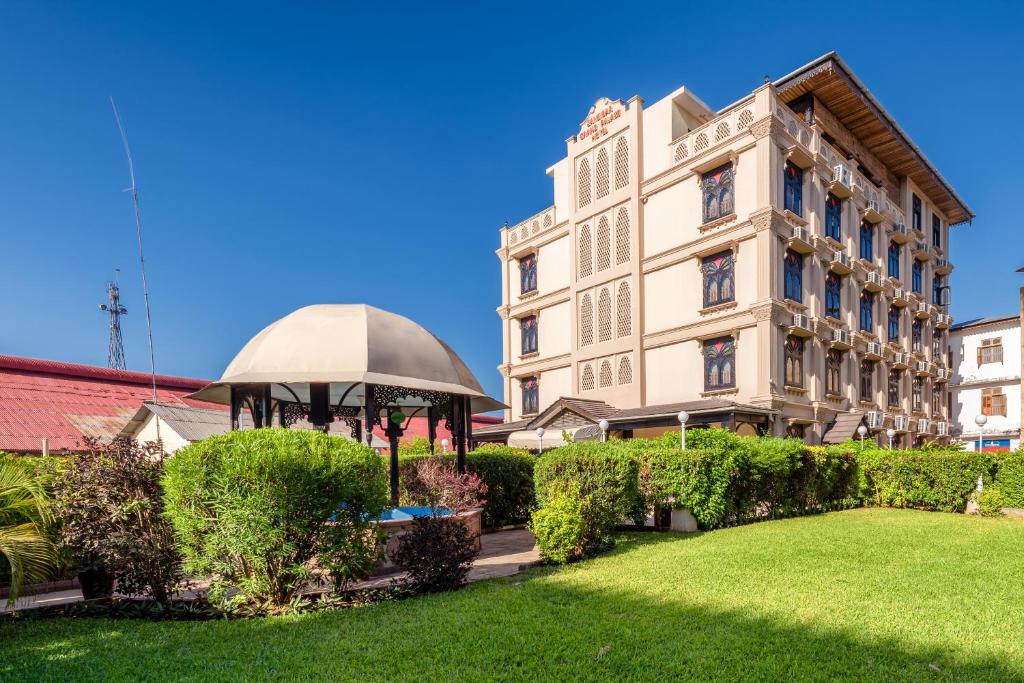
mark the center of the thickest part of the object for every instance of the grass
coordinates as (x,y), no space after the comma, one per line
(866,595)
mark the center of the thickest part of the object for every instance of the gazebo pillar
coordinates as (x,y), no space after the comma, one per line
(393,431)
(431,427)
(320,405)
(459,409)
(235,407)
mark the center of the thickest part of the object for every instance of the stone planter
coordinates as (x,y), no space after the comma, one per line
(394,528)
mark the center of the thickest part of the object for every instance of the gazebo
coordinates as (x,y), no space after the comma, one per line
(357,364)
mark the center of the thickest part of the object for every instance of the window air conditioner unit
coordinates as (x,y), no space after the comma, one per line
(874,349)
(802,321)
(801,234)
(840,257)
(942,428)
(901,423)
(901,358)
(875,419)
(899,293)
(841,337)
(872,205)
(875,278)
(924,425)
(841,174)
(922,367)
(900,228)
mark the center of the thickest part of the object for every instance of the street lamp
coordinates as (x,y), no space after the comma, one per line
(862,431)
(540,440)
(683,417)
(981,420)
(890,432)
(603,424)
(444,445)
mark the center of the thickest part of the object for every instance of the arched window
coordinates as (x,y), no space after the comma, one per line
(587,378)
(917,395)
(894,323)
(718,278)
(604,378)
(719,361)
(917,336)
(867,311)
(586,264)
(893,391)
(623,313)
(793,361)
(867,380)
(528,334)
(793,276)
(717,189)
(867,241)
(621,236)
(833,295)
(530,398)
(583,183)
(834,372)
(604,244)
(936,231)
(625,371)
(894,259)
(916,276)
(915,212)
(586,320)
(793,188)
(621,163)
(528,273)
(601,177)
(833,217)
(604,315)
(937,401)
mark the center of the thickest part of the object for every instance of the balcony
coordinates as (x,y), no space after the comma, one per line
(921,251)
(842,181)
(873,282)
(840,262)
(898,233)
(894,213)
(900,360)
(873,210)
(900,297)
(943,267)
(800,326)
(922,368)
(534,225)
(942,375)
(800,240)
(923,310)
(874,351)
(943,321)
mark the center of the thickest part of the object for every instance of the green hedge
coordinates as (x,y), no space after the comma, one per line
(929,479)
(1010,479)
(508,473)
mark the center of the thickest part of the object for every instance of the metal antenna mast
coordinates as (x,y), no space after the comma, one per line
(115,349)
(142,260)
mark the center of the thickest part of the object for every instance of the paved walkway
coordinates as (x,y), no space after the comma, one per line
(502,553)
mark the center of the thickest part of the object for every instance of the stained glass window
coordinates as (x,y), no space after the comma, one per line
(793,276)
(915,212)
(894,323)
(867,311)
(793,360)
(867,241)
(833,217)
(528,330)
(916,276)
(834,372)
(936,231)
(718,279)
(530,395)
(894,259)
(833,295)
(528,273)
(793,188)
(867,380)
(719,364)
(717,188)
(893,394)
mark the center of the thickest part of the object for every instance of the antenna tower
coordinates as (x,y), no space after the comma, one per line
(115,349)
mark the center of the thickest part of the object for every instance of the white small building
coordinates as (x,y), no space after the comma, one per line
(985,358)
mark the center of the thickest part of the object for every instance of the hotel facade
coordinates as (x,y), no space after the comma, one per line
(778,266)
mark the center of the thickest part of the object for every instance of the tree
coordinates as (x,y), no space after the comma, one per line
(24,545)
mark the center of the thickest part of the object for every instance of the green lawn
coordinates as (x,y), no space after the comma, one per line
(865,595)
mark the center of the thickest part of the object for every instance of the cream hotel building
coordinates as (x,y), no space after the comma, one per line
(777,266)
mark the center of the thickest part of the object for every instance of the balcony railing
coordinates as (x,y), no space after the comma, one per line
(534,225)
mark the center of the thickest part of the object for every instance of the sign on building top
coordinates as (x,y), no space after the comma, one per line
(601,114)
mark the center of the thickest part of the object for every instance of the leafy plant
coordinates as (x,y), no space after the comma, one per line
(935,480)
(560,526)
(438,484)
(991,502)
(29,554)
(109,505)
(1010,478)
(267,511)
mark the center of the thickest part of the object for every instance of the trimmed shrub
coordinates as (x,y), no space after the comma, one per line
(929,480)
(507,472)
(110,510)
(991,502)
(1010,478)
(559,526)
(257,508)
(606,476)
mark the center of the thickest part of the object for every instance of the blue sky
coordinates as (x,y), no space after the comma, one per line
(331,152)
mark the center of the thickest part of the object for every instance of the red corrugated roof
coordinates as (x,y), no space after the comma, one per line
(66,402)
